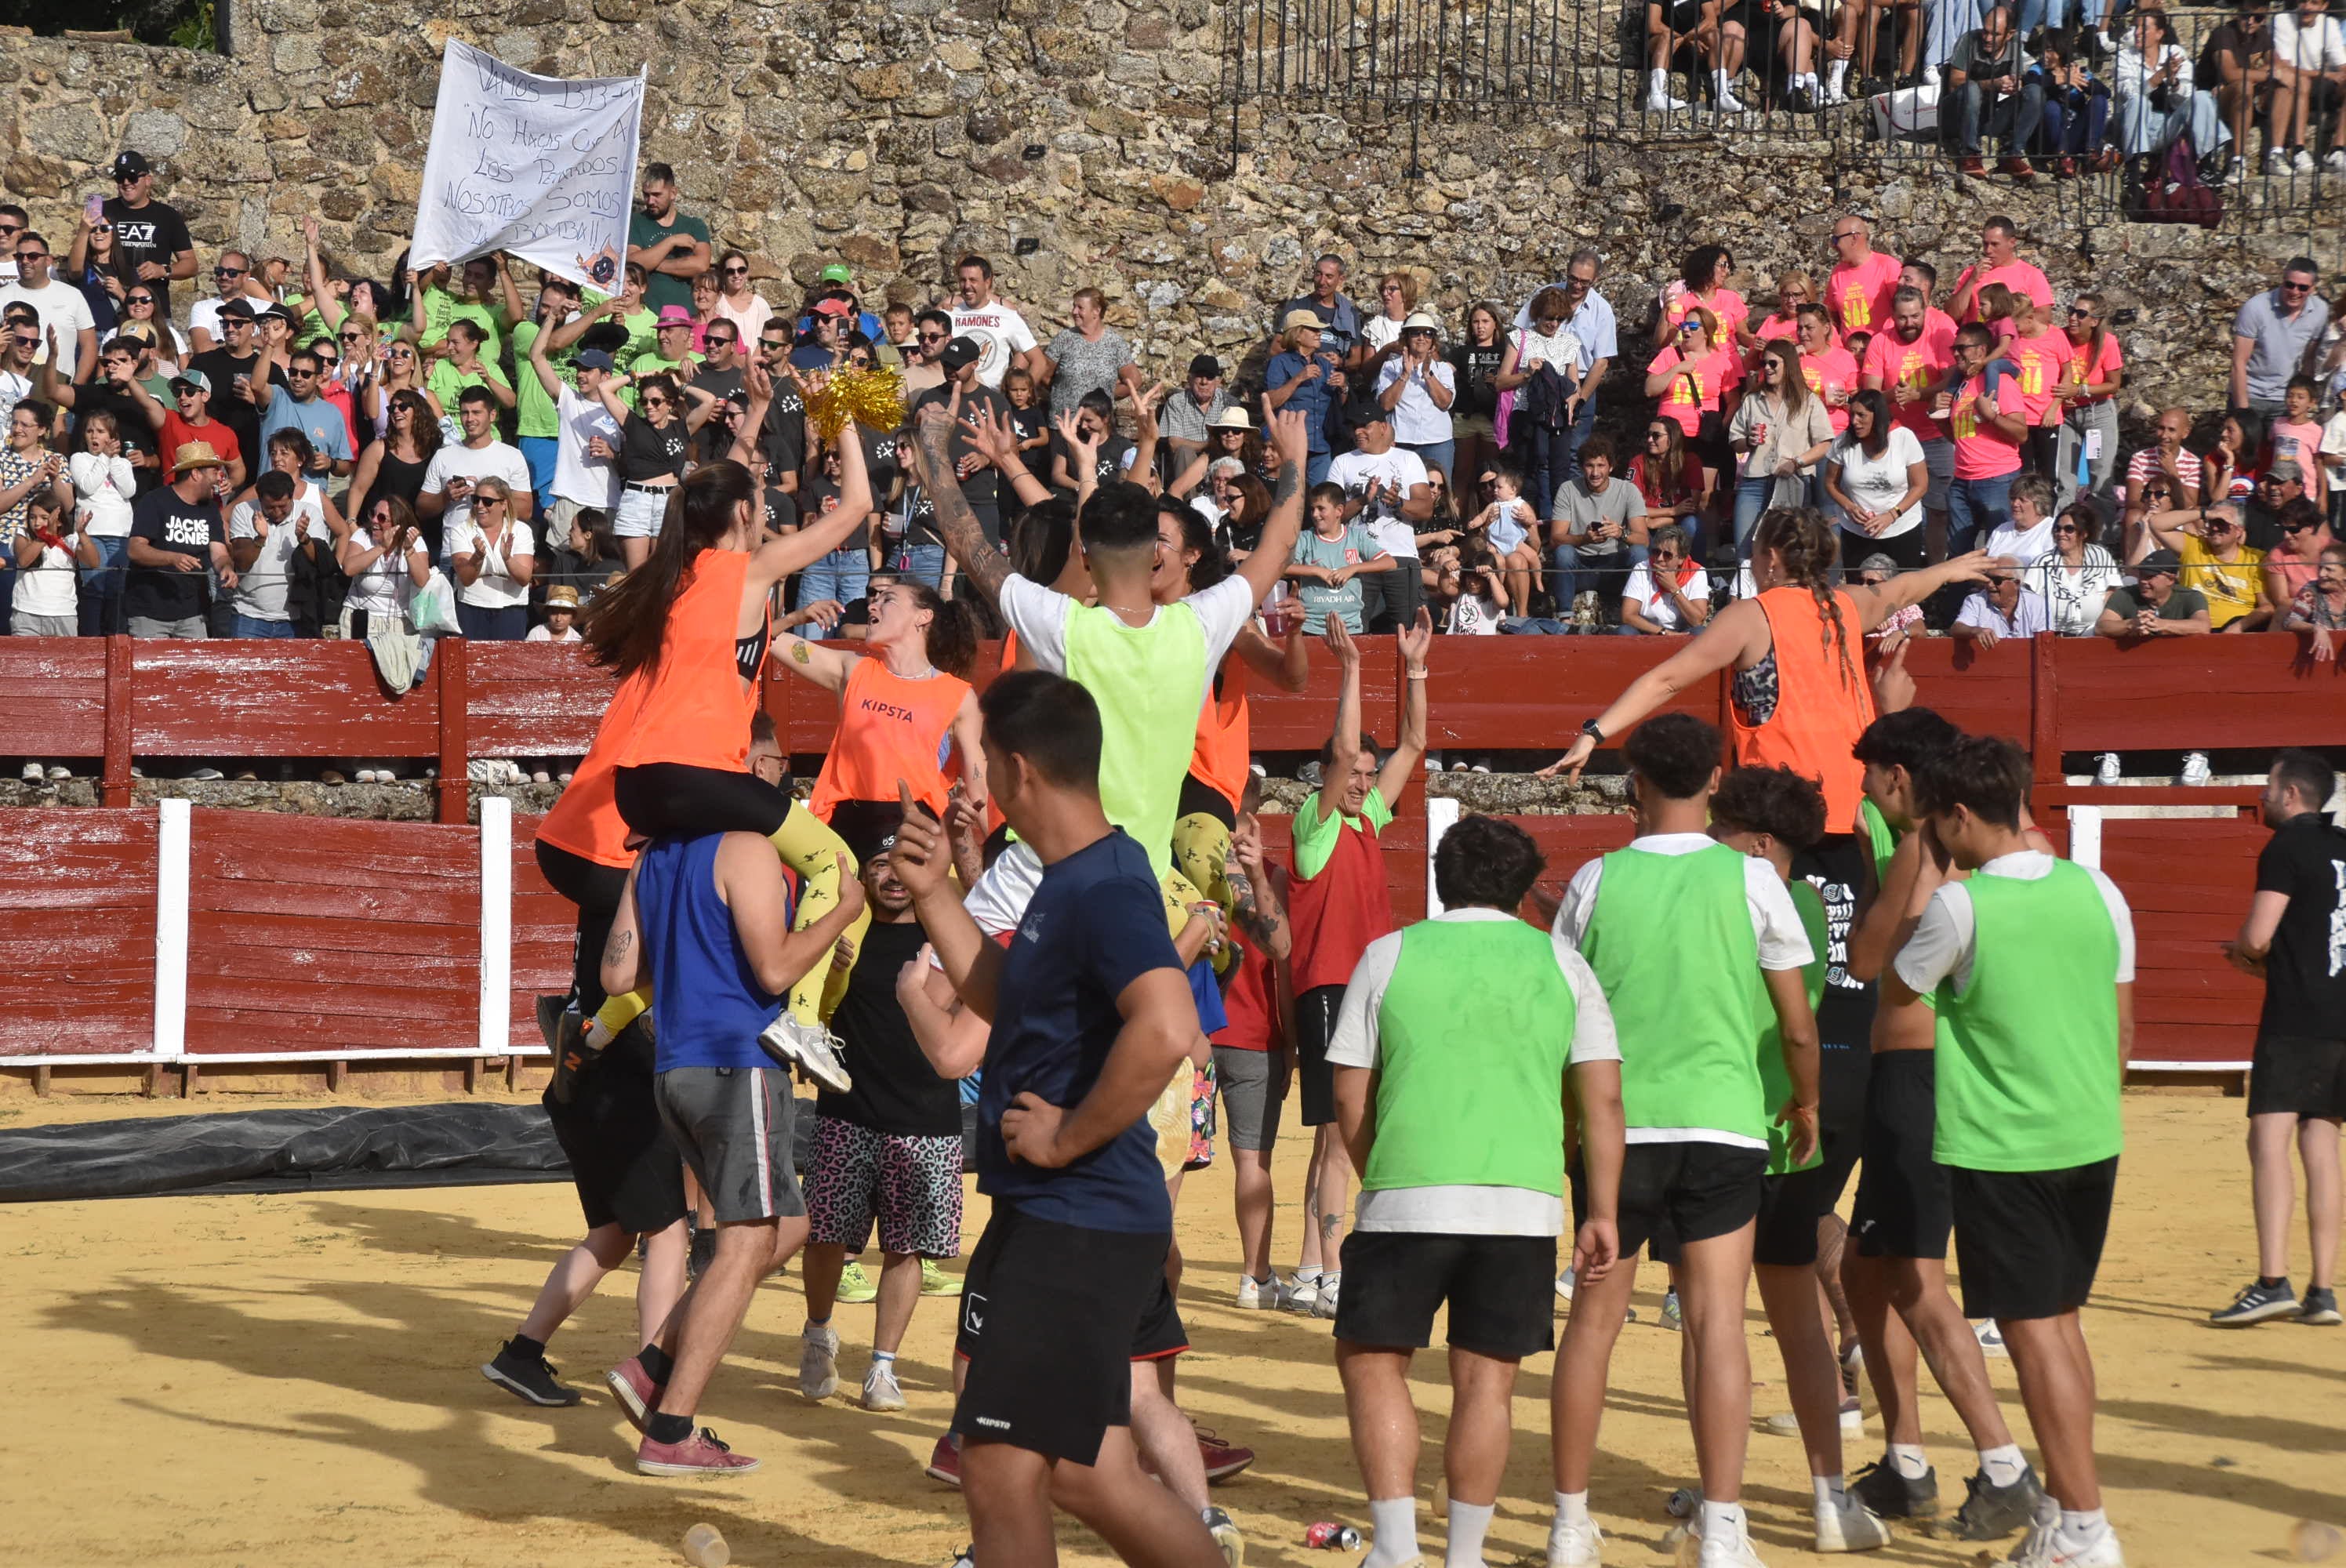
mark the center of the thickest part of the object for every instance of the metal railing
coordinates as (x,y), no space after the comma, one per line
(1850,82)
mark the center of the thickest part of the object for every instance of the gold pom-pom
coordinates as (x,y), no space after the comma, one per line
(873,398)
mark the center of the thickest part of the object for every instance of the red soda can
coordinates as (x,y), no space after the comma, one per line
(1329,1535)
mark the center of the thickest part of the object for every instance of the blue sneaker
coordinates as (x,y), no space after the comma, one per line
(2255,1304)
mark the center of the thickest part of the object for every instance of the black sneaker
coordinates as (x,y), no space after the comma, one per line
(531,1377)
(550,1010)
(1883,1488)
(702,1253)
(2255,1304)
(571,1057)
(1990,1512)
(2321,1308)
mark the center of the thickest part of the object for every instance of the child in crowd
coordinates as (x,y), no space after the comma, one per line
(561,618)
(1508,524)
(1329,561)
(1469,590)
(2296,437)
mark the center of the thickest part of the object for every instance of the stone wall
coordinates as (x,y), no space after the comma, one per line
(895,134)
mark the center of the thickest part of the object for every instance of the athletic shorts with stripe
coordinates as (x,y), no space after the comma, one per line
(911,1185)
(732,1125)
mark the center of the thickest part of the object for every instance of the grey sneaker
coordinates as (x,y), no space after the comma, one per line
(811,1046)
(819,1363)
(1332,1286)
(1990,1512)
(2255,1304)
(2320,1308)
(1227,1538)
(880,1389)
(1672,1318)
(1890,1495)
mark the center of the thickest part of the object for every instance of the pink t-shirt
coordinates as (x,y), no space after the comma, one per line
(1726,305)
(1858,296)
(1836,366)
(2300,444)
(1695,387)
(2020,277)
(2104,368)
(2044,360)
(1919,366)
(1981,451)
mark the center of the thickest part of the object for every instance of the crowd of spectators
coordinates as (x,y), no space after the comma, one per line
(306,452)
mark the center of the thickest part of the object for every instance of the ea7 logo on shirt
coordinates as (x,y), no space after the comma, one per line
(130,231)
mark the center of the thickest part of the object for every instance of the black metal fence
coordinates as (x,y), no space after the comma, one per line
(2088,110)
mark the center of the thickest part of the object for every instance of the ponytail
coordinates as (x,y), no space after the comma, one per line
(953,635)
(626,624)
(1808,550)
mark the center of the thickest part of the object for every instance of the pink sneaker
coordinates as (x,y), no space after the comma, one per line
(699,1454)
(944,1462)
(1222,1459)
(638,1396)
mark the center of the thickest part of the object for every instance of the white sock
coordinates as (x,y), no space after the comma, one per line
(1394,1524)
(1307,1273)
(1912,1464)
(1831,1493)
(2002,1465)
(1837,73)
(1659,82)
(1571,1508)
(1721,78)
(1468,1523)
(2081,1526)
(1721,1521)
(1334,1276)
(884,1357)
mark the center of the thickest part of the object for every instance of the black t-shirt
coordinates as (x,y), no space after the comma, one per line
(819,497)
(155,233)
(1473,368)
(715,438)
(781,508)
(222,368)
(896,1091)
(647,451)
(2305,974)
(2260,525)
(982,489)
(2227,39)
(182,528)
(1836,868)
(1110,466)
(882,464)
(785,432)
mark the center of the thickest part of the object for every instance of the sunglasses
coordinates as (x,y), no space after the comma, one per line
(736,271)
(102,228)
(1657,435)
(32,255)
(773,345)
(725,341)
(354,337)
(933,337)
(2297,288)
(228,272)
(399,354)
(137,299)
(298,370)
(2297,527)
(2066,528)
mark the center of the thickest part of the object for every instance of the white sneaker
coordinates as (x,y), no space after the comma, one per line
(1851,1527)
(811,1046)
(1564,1284)
(880,1389)
(1991,1337)
(34,773)
(1786,1424)
(819,1363)
(2303,162)
(1930,74)
(1258,1295)
(1659,101)
(2196,770)
(2336,162)
(2106,771)
(1330,1287)
(1255,767)
(1297,1294)
(2276,161)
(1723,1552)
(1729,103)
(59,772)
(1433,762)
(2235,170)
(1573,1545)
(2036,1548)
(2102,1551)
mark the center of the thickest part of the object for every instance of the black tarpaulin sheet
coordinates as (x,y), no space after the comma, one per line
(328,1147)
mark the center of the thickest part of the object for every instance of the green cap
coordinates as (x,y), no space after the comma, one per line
(838,272)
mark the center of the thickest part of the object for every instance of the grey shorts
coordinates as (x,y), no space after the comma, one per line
(732,1125)
(1939,457)
(1254,1089)
(194,627)
(31,625)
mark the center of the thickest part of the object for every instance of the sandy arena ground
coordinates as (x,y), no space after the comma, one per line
(292,1381)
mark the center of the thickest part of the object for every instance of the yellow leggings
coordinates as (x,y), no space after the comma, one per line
(809,847)
(1202,851)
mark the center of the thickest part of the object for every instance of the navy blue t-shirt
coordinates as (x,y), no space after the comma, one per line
(1095,924)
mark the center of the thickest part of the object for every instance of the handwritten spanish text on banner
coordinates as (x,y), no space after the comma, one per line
(541,167)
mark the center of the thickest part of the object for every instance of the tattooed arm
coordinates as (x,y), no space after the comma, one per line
(986,565)
(622,953)
(1268,562)
(1258,903)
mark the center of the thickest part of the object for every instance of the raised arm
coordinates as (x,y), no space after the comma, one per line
(1415,645)
(812,662)
(777,558)
(1344,742)
(997,439)
(542,367)
(1267,562)
(987,566)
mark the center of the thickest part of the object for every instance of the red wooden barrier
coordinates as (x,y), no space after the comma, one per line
(77,922)
(2189,881)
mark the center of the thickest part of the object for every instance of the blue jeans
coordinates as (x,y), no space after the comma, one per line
(1578,572)
(1976,508)
(1441,455)
(926,563)
(2144,129)
(482,623)
(2074,121)
(1315,466)
(1545,458)
(1583,425)
(2013,119)
(538,451)
(1750,500)
(1534,626)
(843,575)
(101,588)
(246,626)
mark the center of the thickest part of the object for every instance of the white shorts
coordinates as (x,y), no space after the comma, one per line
(640,513)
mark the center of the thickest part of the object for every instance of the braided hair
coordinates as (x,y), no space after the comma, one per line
(1808,550)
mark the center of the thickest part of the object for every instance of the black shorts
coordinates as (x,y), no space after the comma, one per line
(1201,799)
(660,800)
(596,889)
(1315,1024)
(1679,1193)
(2291,1075)
(1903,1209)
(1050,1317)
(1501,1291)
(622,1161)
(2027,1243)
(1680,16)
(1790,1205)
(1161,1332)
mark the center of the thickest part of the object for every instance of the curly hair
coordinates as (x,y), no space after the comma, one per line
(1808,550)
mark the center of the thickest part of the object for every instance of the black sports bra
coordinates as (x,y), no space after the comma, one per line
(749,652)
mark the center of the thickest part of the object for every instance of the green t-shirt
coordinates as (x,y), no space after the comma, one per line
(1157,674)
(445,381)
(436,309)
(1315,835)
(2181,604)
(1319,600)
(1775,1081)
(663,287)
(538,415)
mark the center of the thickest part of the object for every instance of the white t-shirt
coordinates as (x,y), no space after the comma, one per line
(2321,48)
(577,478)
(48,589)
(261,588)
(455,460)
(1656,606)
(1877,483)
(63,311)
(1379,333)
(494,588)
(104,488)
(1561,348)
(2021,545)
(1415,419)
(1775,925)
(1039,615)
(2074,596)
(1401,471)
(1473,616)
(376,590)
(13,390)
(540,635)
(1946,938)
(999,331)
(2027,618)
(1463,1210)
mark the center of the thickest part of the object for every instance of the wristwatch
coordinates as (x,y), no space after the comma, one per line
(1588,728)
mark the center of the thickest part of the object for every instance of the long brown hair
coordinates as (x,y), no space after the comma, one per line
(422,425)
(1795,393)
(626,624)
(1809,549)
(952,638)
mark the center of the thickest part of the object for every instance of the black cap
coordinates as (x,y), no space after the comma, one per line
(130,165)
(2158,560)
(279,311)
(1205,365)
(959,354)
(237,308)
(869,836)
